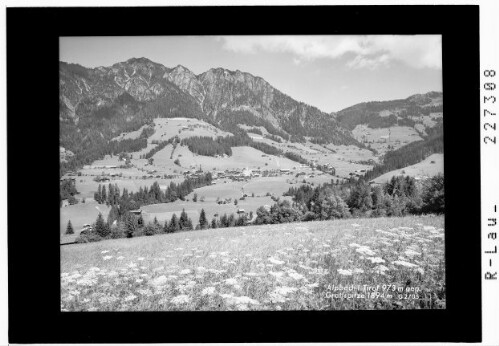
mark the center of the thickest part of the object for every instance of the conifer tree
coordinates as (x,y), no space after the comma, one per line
(203,222)
(131,225)
(101,226)
(224,221)
(189,226)
(110,195)
(174,224)
(99,194)
(183,222)
(69,228)
(103,196)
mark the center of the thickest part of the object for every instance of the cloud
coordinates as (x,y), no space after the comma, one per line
(421,51)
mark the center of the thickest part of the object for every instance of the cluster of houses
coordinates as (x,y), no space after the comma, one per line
(100,167)
(358,173)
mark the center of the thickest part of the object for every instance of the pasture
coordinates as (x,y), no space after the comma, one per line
(398,136)
(166,128)
(350,264)
(164,211)
(429,167)
(242,157)
(80,214)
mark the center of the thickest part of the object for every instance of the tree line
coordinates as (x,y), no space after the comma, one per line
(209,146)
(398,197)
(124,201)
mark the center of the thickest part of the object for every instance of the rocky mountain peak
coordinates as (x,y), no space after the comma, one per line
(187,81)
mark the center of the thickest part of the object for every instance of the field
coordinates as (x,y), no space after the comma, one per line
(87,212)
(164,211)
(385,263)
(429,167)
(80,214)
(378,138)
(344,158)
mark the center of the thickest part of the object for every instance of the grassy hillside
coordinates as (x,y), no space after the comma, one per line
(429,167)
(278,267)
(80,214)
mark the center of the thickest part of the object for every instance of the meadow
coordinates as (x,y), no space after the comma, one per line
(164,211)
(80,214)
(431,166)
(360,264)
(399,136)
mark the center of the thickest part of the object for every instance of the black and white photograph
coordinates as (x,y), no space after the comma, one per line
(250,173)
(266,173)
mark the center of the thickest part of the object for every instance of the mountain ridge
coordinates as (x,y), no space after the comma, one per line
(97,104)
(215,90)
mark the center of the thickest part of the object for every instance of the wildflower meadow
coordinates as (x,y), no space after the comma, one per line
(352,264)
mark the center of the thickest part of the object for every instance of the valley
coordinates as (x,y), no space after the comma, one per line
(227,175)
(137,123)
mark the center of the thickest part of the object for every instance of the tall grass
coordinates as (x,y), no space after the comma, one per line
(386,263)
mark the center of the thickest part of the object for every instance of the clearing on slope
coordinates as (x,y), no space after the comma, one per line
(429,167)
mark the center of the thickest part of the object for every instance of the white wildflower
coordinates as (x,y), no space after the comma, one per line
(376,259)
(284,290)
(275,261)
(180,299)
(405,264)
(231,281)
(380,269)
(208,291)
(296,276)
(345,272)
(276,274)
(130,297)
(159,281)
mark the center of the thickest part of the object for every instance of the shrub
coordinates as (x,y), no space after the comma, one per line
(433,195)
(150,229)
(88,237)
(118,231)
(72,200)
